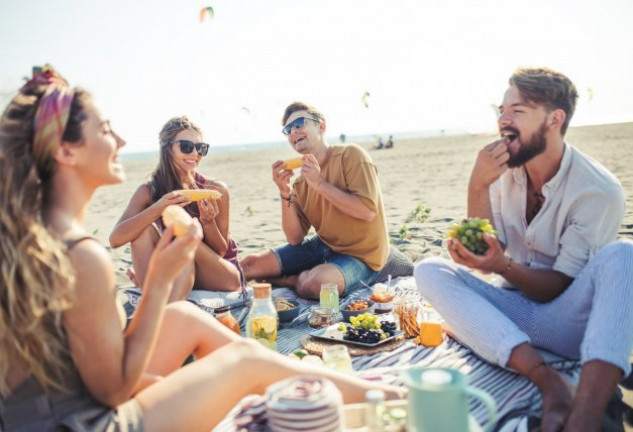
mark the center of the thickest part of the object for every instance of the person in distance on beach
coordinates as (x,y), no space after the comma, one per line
(216,266)
(66,363)
(566,285)
(337,193)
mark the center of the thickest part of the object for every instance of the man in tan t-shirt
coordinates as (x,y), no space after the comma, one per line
(338,194)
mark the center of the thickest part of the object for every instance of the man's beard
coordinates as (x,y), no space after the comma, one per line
(527,151)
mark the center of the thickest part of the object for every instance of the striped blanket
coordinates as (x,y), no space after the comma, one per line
(515,396)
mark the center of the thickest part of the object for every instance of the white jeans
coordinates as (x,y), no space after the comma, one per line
(591,320)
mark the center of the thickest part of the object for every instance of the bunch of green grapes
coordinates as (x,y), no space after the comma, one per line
(470,233)
(367,321)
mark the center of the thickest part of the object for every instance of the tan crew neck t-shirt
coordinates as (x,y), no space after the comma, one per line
(349,168)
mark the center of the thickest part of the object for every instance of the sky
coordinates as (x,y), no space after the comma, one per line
(427,64)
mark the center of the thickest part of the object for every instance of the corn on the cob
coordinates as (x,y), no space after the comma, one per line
(294,163)
(200,194)
(179,218)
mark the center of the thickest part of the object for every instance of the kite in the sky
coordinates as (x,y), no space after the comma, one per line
(206,11)
(365,99)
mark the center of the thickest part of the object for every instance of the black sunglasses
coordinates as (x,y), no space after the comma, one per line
(187,147)
(298,123)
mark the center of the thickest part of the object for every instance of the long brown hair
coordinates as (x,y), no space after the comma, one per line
(36,279)
(165,176)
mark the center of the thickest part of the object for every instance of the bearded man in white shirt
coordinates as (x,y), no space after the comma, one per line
(565,284)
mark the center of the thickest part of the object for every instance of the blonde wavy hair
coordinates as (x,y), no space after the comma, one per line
(37,279)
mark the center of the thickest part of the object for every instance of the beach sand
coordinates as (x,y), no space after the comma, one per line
(428,172)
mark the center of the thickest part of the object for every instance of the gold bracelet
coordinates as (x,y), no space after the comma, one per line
(505,270)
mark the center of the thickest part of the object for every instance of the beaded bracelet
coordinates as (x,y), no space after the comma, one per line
(289,198)
(505,270)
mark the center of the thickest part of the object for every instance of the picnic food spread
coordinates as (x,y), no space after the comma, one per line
(281,304)
(382,298)
(321,317)
(357,305)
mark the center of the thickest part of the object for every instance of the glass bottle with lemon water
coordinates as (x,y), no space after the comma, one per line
(329,296)
(262,321)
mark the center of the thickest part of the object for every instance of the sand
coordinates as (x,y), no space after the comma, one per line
(428,172)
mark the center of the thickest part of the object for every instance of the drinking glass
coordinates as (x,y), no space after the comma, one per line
(337,357)
(329,296)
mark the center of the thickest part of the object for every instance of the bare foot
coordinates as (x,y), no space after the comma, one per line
(557,396)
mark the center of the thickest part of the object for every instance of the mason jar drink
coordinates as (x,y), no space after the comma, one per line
(329,296)
(337,357)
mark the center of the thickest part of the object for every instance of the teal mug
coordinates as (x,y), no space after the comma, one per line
(438,401)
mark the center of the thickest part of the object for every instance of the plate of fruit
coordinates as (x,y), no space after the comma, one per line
(363,330)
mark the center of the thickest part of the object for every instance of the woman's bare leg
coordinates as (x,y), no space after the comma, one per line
(213,273)
(186,330)
(199,395)
(142,248)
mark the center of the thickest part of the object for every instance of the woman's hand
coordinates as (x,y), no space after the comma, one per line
(171,198)
(170,258)
(208,211)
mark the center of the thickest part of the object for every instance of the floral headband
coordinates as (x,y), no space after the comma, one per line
(52,112)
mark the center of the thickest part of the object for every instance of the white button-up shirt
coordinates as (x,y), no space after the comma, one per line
(584,207)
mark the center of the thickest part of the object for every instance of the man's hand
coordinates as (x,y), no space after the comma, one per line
(281,177)
(493,261)
(490,164)
(311,171)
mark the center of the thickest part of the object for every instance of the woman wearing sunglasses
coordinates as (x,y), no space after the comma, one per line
(216,266)
(65,364)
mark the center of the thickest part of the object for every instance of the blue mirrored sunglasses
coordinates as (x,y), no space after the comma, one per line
(298,123)
(187,147)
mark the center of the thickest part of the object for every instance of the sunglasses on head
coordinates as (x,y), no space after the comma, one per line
(298,123)
(187,147)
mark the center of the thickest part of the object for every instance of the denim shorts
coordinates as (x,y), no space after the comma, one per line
(312,252)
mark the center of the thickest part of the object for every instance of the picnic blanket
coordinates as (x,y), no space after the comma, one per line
(516,397)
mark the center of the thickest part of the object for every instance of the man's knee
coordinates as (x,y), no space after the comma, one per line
(616,256)
(249,264)
(308,285)
(265,264)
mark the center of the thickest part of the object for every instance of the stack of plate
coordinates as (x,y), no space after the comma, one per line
(304,404)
